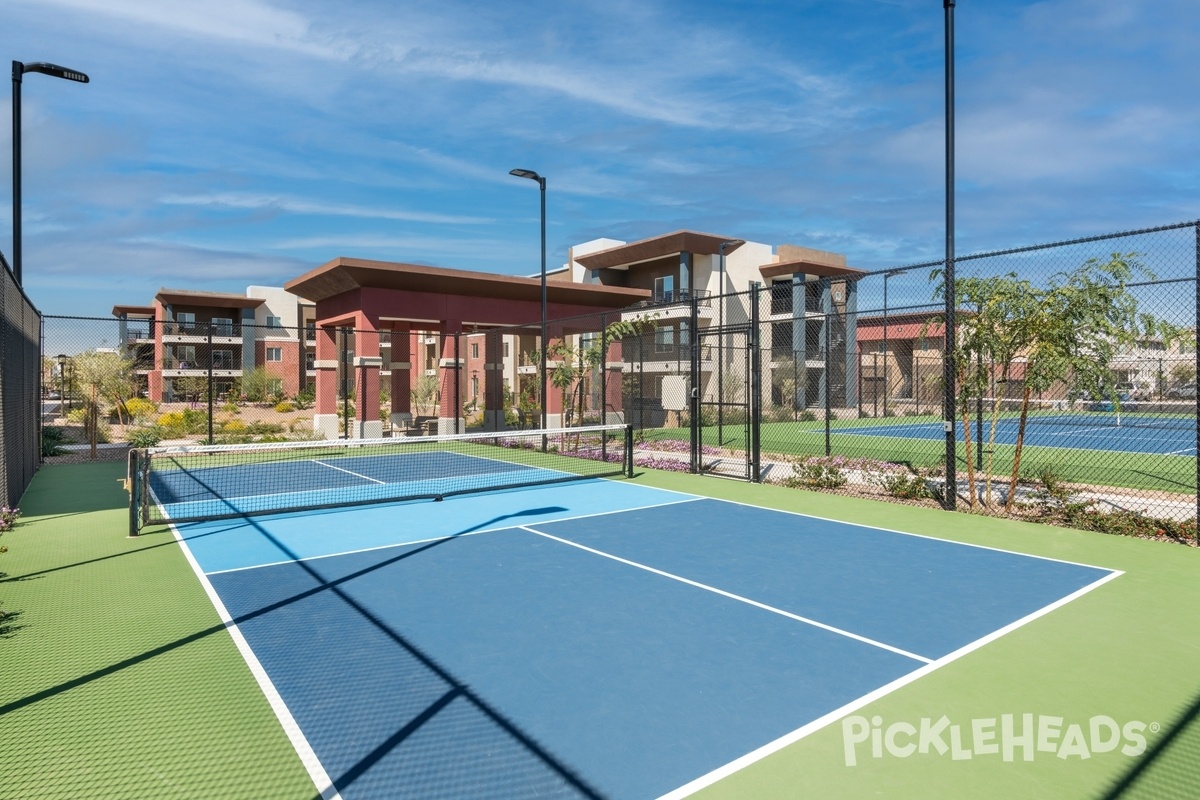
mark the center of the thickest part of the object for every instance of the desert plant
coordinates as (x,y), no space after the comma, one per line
(144,436)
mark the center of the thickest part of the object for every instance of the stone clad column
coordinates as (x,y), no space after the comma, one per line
(493,381)
(401,385)
(367,366)
(449,368)
(326,365)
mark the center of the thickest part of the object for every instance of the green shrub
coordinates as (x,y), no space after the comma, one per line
(905,486)
(53,438)
(139,408)
(807,416)
(817,472)
(144,436)
(285,407)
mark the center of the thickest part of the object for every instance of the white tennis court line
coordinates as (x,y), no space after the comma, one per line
(291,728)
(815,725)
(348,472)
(737,597)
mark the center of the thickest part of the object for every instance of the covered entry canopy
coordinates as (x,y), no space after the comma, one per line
(370,296)
(392,291)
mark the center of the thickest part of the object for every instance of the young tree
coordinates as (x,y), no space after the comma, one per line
(570,368)
(1076,325)
(424,393)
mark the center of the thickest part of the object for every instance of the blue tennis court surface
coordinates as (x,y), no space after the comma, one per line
(602,639)
(1133,433)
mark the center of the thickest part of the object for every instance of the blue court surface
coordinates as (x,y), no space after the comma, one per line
(1132,433)
(598,639)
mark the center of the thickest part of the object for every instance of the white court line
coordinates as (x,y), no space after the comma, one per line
(308,756)
(348,472)
(738,597)
(688,499)
(817,724)
(910,533)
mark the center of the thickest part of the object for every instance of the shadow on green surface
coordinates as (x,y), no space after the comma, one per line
(1170,767)
(7,628)
(5,578)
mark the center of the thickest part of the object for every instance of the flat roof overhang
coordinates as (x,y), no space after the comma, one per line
(183,297)
(133,311)
(344,275)
(628,255)
(806,267)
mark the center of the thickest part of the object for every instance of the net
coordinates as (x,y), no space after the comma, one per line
(207,482)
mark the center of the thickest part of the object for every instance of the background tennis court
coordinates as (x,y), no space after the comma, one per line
(1126,433)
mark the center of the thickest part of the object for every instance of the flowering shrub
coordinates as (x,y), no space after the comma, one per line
(8,518)
(817,472)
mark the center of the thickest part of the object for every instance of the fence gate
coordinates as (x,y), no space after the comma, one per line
(723,428)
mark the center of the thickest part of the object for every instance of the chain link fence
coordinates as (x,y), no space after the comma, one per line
(20,330)
(838,382)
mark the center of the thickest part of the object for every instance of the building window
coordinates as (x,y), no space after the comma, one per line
(474,386)
(222,359)
(664,289)
(185,355)
(506,349)
(474,349)
(222,326)
(275,385)
(274,322)
(185,320)
(664,340)
(274,354)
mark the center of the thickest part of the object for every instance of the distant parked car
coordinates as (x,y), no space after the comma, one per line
(1185,392)
(1130,390)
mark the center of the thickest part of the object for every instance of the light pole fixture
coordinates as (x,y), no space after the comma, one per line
(886,388)
(18,70)
(725,246)
(541,182)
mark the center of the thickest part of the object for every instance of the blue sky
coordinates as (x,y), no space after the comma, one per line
(231,142)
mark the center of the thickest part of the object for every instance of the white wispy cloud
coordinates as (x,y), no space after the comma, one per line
(293,205)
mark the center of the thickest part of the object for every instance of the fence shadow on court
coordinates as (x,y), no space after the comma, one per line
(1170,768)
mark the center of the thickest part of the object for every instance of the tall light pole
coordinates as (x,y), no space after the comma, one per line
(886,386)
(726,245)
(541,182)
(18,70)
(948,365)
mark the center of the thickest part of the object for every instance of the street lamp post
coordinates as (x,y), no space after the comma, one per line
(18,70)
(541,182)
(728,244)
(886,386)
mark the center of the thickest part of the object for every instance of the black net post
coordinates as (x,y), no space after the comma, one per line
(133,484)
(628,451)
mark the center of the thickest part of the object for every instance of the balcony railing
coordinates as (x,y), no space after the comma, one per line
(200,329)
(676,297)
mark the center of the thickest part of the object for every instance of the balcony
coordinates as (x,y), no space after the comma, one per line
(199,331)
(670,298)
